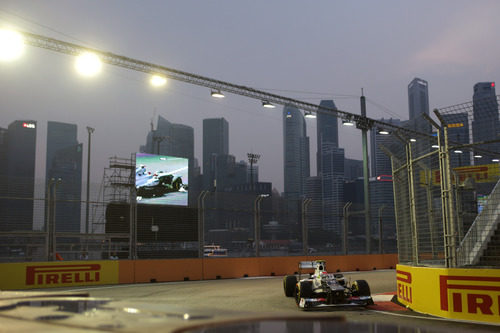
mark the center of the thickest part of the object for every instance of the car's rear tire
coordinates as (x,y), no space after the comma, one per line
(360,288)
(289,282)
(304,290)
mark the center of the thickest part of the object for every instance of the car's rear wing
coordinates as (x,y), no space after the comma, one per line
(305,265)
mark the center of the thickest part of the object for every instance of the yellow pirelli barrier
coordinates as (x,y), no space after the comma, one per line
(464,294)
(57,274)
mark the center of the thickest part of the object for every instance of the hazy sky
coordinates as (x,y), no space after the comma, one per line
(310,50)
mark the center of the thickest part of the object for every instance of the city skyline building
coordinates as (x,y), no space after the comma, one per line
(20,151)
(332,185)
(296,167)
(380,162)
(64,162)
(326,129)
(215,143)
(458,133)
(486,123)
(174,140)
(418,104)
(296,152)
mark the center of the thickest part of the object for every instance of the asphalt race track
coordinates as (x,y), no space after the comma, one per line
(174,306)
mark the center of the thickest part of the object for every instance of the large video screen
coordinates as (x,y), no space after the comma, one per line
(161,180)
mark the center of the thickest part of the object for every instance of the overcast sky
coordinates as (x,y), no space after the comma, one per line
(310,50)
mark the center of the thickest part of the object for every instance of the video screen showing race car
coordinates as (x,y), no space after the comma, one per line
(161,180)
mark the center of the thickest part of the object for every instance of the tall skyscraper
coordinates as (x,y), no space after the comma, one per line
(64,161)
(215,143)
(353,169)
(170,139)
(326,129)
(418,104)
(332,185)
(380,162)
(485,124)
(173,140)
(458,133)
(314,210)
(296,152)
(20,149)
(295,164)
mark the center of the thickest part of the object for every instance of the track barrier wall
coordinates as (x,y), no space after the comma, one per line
(461,294)
(36,275)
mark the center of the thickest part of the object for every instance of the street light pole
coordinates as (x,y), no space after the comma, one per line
(53,231)
(90,130)
(346,226)
(257,222)
(48,224)
(364,138)
(201,223)
(380,247)
(305,229)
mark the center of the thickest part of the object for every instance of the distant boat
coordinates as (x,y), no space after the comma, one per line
(214,251)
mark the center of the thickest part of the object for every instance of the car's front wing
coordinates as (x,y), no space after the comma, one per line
(307,303)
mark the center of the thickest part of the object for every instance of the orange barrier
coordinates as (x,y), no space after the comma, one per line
(82,273)
(162,270)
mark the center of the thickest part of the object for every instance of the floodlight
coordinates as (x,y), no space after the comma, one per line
(88,64)
(268,105)
(158,80)
(347,122)
(11,45)
(309,114)
(217,94)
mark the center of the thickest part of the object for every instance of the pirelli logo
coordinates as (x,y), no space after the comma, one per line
(470,294)
(404,285)
(62,274)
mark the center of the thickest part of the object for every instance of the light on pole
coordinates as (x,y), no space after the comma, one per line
(201,223)
(347,206)
(57,182)
(48,224)
(380,245)
(90,130)
(257,201)
(305,229)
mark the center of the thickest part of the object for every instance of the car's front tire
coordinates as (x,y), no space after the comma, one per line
(304,290)
(360,288)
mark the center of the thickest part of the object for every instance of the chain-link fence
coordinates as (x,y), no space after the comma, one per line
(440,205)
(445,187)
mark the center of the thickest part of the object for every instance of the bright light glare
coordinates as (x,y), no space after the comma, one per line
(435,146)
(413,140)
(217,94)
(383,132)
(88,64)
(11,45)
(158,81)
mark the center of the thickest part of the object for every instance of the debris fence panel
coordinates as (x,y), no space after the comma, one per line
(447,197)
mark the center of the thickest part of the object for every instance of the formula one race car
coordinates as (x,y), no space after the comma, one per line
(160,184)
(323,289)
